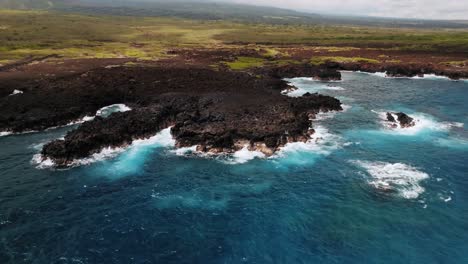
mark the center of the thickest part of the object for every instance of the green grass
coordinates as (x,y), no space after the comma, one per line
(456,63)
(243,63)
(39,33)
(323,59)
(347,37)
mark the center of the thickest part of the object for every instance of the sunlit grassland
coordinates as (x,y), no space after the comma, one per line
(26,33)
(323,59)
(351,36)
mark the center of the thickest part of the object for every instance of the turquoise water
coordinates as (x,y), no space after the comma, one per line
(358,193)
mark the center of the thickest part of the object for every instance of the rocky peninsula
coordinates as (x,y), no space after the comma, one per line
(215,110)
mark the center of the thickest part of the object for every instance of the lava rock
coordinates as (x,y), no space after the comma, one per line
(403,119)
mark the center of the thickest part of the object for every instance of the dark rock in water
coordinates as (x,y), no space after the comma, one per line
(407,71)
(390,118)
(291,71)
(217,111)
(403,119)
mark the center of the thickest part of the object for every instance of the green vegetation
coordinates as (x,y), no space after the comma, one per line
(39,33)
(323,59)
(243,63)
(456,63)
(350,37)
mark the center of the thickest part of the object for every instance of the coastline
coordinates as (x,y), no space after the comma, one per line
(219,110)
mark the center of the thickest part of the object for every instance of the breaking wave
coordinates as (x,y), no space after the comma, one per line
(399,178)
(330,114)
(424,76)
(303,85)
(103,112)
(245,155)
(321,143)
(15,92)
(422,121)
(131,157)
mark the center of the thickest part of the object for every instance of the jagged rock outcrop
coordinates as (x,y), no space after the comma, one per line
(400,120)
(219,111)
(195,121)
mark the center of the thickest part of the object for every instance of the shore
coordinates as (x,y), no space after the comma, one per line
(208,100)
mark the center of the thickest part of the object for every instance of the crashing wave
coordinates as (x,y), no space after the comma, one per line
(5,133)
(422,121)
(162,139)
(103,112)
(108,110)
(402,179)
(185,151)
(9,133)
(331,114)
(244,155)
(303,85)
(424,76)
(15,92)
(322,142)
(42,163)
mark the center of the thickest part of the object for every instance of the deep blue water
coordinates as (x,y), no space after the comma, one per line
(360,193)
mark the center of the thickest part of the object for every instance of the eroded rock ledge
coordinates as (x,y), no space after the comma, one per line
(219,111)
(401,70)
(194,121)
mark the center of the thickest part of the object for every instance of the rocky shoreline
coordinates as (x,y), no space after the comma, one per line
(218,111)
(402,71)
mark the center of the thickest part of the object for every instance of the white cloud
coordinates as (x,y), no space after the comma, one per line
(428,9)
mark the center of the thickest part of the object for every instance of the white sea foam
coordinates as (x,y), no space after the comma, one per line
(378,74)
(162,139)
(8,133)
(400,178)
(185,151)
(304,85)
(322,142)
(42,163)
(422,121)
(103,112)
(15,92)
(104,154)
(347,144)
(330,114)
(424,76)
(432,77)
(5,133)
(108,110)
(245,155)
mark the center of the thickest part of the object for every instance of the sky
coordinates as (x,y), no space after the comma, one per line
(426,9)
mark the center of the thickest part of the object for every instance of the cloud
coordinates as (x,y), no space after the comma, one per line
(427,9)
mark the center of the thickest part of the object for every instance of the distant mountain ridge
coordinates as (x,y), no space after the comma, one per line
(217,10)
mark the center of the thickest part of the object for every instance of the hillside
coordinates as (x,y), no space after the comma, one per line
(218,10)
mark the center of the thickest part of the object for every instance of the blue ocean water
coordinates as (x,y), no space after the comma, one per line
(360,192)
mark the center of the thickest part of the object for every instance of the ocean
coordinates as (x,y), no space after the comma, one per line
(358,192)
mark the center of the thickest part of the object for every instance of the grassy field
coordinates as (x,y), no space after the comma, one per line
(25,33)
